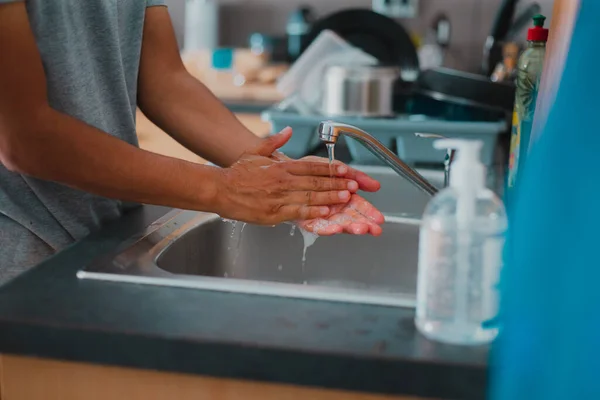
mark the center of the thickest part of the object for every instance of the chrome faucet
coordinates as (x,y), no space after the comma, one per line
(330,131)
(449,155)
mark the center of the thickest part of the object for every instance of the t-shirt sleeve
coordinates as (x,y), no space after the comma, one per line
(149,3)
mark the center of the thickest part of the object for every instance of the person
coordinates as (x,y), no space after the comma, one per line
(72,74)
(550,325)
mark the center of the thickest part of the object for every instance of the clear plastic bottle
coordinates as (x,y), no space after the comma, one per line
(460,254)
(529,75)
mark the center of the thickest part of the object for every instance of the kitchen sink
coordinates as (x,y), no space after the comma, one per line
(202,251)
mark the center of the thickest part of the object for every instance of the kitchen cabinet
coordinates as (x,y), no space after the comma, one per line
(24,378)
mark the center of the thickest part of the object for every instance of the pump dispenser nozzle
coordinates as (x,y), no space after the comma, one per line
(468,172)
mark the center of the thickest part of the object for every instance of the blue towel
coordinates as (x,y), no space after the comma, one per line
(549,347)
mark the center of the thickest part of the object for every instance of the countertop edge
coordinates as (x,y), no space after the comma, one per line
(239,361)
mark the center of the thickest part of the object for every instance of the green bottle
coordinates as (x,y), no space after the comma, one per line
(529,75)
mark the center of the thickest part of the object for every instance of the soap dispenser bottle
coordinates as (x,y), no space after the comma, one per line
(460,253)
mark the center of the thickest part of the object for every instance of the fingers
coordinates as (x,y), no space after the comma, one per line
(323,184)
(365,182)
(299,212)
(357,228)
(366,209)
(270,144)
(315,168)
(375,230)
(312,198)
(279,156)
(321,227)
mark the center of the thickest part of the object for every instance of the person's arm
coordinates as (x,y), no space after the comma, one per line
(184,108)
(180,104)
(38,141)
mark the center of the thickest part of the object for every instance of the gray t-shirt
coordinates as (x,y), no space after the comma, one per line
(90,51)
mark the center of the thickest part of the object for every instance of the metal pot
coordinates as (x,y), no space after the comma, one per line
(358,91)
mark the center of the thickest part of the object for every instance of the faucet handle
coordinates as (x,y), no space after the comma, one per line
(449,154)
(430,135)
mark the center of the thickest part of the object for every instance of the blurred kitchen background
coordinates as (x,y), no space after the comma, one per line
(471,21)
(394,68)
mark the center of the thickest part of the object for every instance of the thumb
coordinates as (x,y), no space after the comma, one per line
(269,145)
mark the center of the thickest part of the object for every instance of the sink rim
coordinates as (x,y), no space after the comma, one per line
(137,263)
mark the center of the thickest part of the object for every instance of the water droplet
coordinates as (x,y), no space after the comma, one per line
(309,239)
(331,151)
(238,245)
(331,154)
(280,267)
(305,283)
(225,275)
(293,230)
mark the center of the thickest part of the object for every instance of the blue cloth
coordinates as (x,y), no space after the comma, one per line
(549,346)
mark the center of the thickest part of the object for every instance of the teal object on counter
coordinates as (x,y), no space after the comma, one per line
(222,59)
(549,346)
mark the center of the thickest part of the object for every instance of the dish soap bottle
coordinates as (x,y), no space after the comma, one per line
(460,253)
(529,75)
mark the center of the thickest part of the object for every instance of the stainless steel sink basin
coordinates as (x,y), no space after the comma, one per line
(199,250)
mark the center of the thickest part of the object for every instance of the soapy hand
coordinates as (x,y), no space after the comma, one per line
(357,217)
(365,182)
(262,189)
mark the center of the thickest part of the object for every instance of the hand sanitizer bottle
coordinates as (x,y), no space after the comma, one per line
(460,253)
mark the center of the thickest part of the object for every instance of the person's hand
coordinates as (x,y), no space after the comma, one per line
(357,217)
(262,190)
(365,182)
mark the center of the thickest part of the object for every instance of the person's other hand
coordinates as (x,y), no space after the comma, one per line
(365,182)
(357,217)
(263,190)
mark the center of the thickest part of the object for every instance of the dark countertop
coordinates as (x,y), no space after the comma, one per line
(48,312)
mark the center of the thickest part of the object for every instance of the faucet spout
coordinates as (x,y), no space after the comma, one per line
(330,131)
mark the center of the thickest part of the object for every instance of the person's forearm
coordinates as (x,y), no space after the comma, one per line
(184,108)
(56,147)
